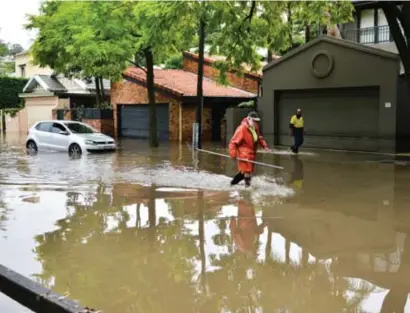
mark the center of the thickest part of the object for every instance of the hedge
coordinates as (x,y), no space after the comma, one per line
(10,87)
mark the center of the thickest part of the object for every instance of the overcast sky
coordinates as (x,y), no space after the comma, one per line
(12,19)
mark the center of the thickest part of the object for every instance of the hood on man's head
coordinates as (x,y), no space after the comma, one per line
(254,115)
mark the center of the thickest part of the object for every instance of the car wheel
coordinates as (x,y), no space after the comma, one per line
(31,147)
(74,150)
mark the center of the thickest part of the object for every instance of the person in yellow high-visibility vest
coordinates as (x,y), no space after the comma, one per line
(297,130)
(297,174)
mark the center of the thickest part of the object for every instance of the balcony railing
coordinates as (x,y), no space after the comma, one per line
(369,35)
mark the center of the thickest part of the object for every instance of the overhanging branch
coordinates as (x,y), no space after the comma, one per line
(249,16)
(403,48)
(139,66)
(251,12)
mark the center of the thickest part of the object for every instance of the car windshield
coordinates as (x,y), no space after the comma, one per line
(78,128)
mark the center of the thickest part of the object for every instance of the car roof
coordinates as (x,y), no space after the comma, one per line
(58,121)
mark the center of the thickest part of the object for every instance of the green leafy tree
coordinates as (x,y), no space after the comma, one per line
(84,252)
(276,25)
(98,39)
(15,48)
(82,39)
(9,67)
(10,87)
(162,29)
(3,49)
(174,62)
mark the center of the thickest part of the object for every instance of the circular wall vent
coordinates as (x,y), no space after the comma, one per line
(322,64)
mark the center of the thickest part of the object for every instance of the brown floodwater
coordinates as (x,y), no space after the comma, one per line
(160,230)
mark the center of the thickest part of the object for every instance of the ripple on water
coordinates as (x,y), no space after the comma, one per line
(186,177)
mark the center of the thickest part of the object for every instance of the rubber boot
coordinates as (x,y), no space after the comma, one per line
(247,181)
(237,179)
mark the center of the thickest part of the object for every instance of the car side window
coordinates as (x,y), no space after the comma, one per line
(44,127)
(57,128)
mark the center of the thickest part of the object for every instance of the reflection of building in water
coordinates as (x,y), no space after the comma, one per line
(383,262)
(128,194)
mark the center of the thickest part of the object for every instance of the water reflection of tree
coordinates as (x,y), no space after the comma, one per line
(152,268)
(4,211)
(127,270)
(397,297)
(4,214)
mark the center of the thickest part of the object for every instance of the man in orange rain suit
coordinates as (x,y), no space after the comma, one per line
(244,145)
(245,230)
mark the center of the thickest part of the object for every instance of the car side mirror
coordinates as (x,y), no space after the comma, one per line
(63,132)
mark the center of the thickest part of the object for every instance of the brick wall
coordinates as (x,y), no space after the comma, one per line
(189,117)
(104,126)
(67,114)
(246,82)
(223,130)
(125,92)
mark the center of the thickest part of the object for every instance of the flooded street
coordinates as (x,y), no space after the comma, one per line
(160,230)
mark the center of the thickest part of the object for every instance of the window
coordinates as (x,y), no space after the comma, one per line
(44,127)
(22,70)
(367,29)
(78,128)
(57,128)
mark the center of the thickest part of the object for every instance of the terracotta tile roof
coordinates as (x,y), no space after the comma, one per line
(214,58)
(183,83)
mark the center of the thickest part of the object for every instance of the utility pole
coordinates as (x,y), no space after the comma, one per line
(197,138)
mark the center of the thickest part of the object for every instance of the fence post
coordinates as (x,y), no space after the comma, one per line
(34,296)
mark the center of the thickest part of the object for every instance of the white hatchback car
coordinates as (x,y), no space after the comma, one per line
(70,136)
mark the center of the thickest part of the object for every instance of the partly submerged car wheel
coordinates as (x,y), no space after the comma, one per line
(31,147)
(74,150)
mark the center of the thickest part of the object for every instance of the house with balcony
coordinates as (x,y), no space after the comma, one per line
(369,26)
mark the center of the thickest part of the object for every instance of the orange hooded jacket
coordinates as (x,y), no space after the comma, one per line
(244,229)
(243,146)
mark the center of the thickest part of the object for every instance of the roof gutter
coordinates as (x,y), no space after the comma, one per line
(36,95)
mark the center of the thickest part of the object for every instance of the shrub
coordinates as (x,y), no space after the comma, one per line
(10,87)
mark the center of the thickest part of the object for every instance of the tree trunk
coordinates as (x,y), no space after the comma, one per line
(403,44)
(152,214)
(199,88)
(290,23)
(103,96)
(3,122)
(138,214)
(201,232)
(97,92)
(287,251)
(268,248)
(269,56)
(307,33)
(395,300)
(153,136)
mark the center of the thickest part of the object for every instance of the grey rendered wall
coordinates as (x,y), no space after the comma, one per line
(234,116)
(403,114)
(351,68)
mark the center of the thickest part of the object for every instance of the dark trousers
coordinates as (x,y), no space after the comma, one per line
(298,139)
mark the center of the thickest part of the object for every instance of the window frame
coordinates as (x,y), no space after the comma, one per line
(38,128)
(63,128)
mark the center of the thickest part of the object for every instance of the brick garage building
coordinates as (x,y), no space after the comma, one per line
(176,104)
(248,81)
